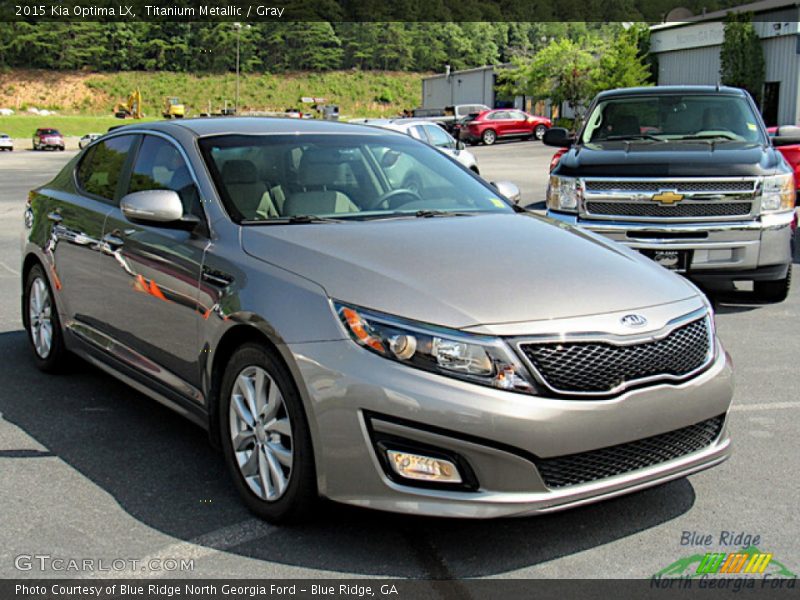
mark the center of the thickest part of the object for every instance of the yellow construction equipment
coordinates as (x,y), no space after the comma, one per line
(132,109)
(173,109)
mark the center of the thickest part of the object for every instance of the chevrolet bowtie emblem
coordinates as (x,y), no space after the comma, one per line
(667,198)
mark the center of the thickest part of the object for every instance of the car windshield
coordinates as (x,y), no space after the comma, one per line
(49,132)
(280,178)
(671,117)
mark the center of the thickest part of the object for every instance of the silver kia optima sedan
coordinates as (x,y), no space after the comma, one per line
(343,335)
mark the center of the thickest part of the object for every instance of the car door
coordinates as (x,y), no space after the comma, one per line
(500,122)
(152,274)
(76,228)
(518,123)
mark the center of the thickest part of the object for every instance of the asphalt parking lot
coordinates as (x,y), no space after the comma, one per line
(92,469)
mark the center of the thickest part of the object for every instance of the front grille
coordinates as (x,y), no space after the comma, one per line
(601,368)
(679,186)
(616,460)
(653,209)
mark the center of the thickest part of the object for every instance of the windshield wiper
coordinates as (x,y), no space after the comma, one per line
(633,136)
(420,214)
(293,220)
(710,136)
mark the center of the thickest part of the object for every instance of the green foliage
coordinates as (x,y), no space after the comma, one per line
(741,57)
(573,62)
(620,65)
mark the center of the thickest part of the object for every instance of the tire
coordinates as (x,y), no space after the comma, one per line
(40,309)
(61,148)
(275,443)
(489,137)
(773,291)
(539,131)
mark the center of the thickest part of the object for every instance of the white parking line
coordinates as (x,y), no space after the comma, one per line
(5,266)
(199,547)
(765,406)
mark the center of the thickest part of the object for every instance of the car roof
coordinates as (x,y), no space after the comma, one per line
(671,89)
(206,126)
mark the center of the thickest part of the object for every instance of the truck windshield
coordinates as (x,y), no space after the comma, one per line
(671,117)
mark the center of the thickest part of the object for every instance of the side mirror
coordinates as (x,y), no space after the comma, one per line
(157,207)
(460,145)
(558,137)
(509,190)
(389,159)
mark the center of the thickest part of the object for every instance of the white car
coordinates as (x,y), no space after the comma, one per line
(88,139)
(6,143)
(430,133)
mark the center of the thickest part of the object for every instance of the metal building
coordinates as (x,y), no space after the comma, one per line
(688,52)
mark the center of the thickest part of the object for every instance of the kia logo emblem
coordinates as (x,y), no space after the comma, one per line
(633,321)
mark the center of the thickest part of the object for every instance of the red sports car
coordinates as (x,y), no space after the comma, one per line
(488,126)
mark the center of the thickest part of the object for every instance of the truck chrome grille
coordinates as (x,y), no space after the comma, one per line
(703,186)
(599,368)
(591,466)
(632,199)
(653,209)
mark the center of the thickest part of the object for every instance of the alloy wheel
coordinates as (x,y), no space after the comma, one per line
(261,433)
(40,308)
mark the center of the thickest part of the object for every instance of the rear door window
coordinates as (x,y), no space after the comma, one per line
(100,169)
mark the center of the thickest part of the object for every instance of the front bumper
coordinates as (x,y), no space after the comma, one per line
(735,250)
(351,393)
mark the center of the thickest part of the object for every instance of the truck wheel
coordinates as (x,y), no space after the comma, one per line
(489,137)
(773,291)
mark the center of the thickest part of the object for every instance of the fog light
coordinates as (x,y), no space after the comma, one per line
(423,468)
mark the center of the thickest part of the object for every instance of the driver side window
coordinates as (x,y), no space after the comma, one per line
(160,166)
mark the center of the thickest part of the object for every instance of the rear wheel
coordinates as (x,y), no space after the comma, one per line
(265,436)
(42,323)
(489,137)
(773,291)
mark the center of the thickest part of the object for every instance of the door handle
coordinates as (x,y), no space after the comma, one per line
(55,217)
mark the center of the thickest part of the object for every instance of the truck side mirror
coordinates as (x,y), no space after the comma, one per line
(558,137)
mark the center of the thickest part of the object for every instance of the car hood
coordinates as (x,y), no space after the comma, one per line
(669,159)
(466,271)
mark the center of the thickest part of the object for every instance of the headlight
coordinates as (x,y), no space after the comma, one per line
(778,193)
(478,359)
(563,193)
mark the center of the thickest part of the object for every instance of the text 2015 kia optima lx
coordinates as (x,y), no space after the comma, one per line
(424,348)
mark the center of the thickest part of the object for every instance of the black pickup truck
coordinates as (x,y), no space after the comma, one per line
(686,175)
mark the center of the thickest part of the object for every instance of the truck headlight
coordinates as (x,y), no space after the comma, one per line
(778,193)
(563,193)
(484,360)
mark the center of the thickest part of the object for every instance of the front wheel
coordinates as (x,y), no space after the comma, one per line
(489,137)
(773,291)
(265,436)
(42,323)
(539,132)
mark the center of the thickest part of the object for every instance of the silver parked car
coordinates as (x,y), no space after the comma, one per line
(6,142)
(433,134)
(340,335)
(88,139)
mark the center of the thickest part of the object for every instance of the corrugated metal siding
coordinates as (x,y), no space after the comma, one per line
(701,66)
(783,64)
(694,66)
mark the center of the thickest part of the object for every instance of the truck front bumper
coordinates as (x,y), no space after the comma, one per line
(720,251)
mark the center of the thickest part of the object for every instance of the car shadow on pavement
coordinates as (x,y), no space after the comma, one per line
(174,481)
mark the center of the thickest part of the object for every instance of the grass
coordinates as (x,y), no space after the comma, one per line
(23,126)
(358,93)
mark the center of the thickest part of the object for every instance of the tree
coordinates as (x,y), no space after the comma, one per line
(561,72)
(620,64)
(741,57)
